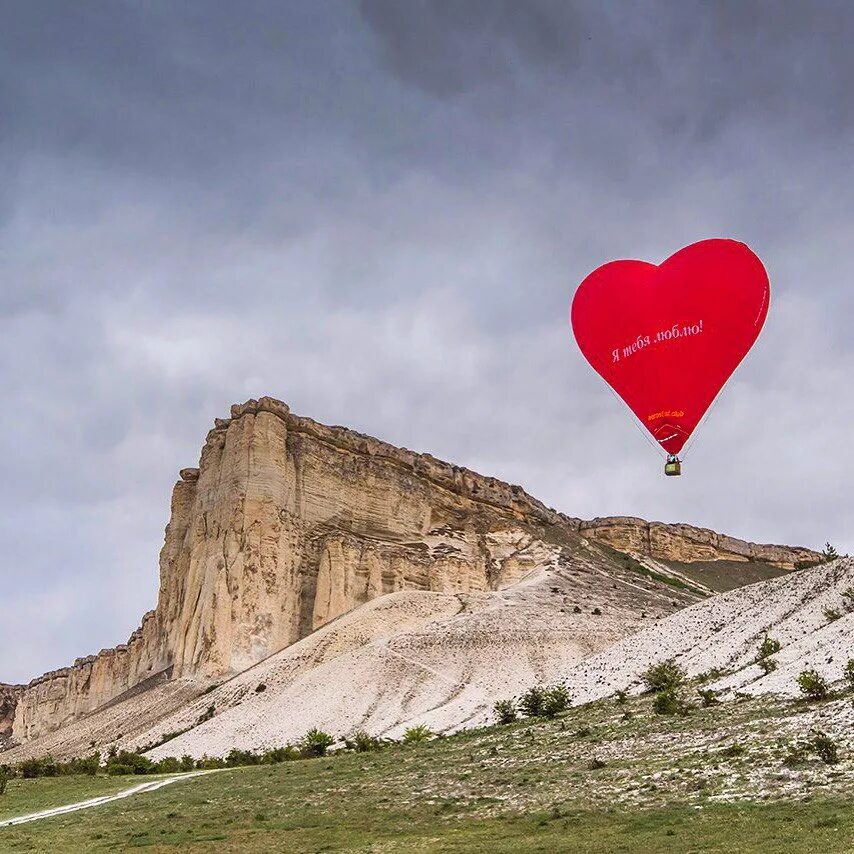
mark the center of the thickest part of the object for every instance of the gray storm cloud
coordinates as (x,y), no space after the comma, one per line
(378,212)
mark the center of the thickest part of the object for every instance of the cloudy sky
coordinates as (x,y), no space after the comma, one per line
(378,212)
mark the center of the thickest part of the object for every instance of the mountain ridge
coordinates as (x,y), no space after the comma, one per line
(288,523)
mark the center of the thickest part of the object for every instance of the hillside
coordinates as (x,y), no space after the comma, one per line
(606,776)
(287,525)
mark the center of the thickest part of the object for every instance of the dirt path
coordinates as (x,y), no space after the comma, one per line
(149,786)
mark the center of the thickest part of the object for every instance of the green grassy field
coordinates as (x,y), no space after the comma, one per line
(27,796)
(596,780)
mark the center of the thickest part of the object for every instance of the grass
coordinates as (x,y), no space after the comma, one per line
(26,796)
(666,785)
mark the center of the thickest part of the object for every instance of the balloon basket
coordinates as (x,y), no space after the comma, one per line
(673,467)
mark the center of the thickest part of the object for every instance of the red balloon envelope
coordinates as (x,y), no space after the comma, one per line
(666,338)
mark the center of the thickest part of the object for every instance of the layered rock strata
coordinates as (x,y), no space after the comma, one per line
(287,524)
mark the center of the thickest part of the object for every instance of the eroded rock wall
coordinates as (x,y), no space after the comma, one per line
(688,544)
(287,524)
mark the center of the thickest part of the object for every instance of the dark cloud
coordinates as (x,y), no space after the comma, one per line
(378,211)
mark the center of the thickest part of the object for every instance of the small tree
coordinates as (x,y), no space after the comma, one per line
(828,553)
(531,702)
(664,676)
(362,742)
(555,701)
(849,673)
(669,703)
(769,646)
(769,665)
(825,748)
(505,711)
(187,762)
(848,599)
(316,742)
(417,734)
(4,778)
(813,685)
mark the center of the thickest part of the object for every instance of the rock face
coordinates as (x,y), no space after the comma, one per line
(688,544)
(287,524)
(9,696)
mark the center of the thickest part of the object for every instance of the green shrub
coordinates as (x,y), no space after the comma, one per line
(207,714)
(116,769)
(531,702)
(237,757)
(207,763)
(733,750)
(768,665)
(769,646)
(849,673)
(43,766)
(708,697)
(259,689)
(316,742)
(813,685)
(596,763)
(825,748)
(664,676)
(89,765)
(362,742)
(848,599)
(280,754)
(828,553)
(555,701)
(417,734)
(621,698)
(137,763)
(187,762)
(669,703)
(4,778)
(168,765)
(505,711)
(831,614)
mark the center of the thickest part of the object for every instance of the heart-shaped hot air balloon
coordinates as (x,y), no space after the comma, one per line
(666,338)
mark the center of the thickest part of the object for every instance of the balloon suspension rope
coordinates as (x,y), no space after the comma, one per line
(636,421)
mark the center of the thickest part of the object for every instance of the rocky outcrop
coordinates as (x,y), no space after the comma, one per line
(688,544)
(9,696)
(287,524)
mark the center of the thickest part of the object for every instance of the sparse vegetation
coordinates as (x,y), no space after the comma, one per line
(543,701)
(417,734)
(733,750)
(829,553)
(664,676)
(768,665)
(825,748)
(769,646)
(531,702)
(316,742)
(831,614)
(4,778)
(364,800)
(708,697)
(361,742)
(505,711)
(556,701)
(813,685)
(670,703)
(849,673)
